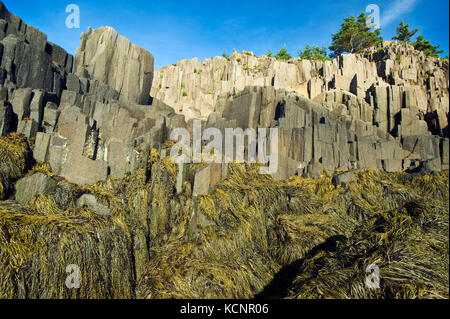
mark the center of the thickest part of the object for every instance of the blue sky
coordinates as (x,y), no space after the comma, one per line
(176,30)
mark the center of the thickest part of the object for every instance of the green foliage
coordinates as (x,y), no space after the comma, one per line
(403,33)
(185,93)
(283,55)
(424,45)
(354,36)
(269,53)
(313,53)
(225,55)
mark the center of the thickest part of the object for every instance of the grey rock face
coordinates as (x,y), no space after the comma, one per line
(193,87)
(27,67)
(90,137)
(30,186)
(207,177)
(115,61)
(6,115)
(32,72)
(357,111)
(313,139)
(21,102)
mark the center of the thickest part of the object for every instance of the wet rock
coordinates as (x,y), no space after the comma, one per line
(91,202)
(30,186)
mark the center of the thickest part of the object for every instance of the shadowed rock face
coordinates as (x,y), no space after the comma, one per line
(106,56)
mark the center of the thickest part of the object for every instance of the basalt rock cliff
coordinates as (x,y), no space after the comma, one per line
(86,180)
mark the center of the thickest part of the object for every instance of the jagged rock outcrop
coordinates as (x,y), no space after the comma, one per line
(33,74)
(28,60)
(375,86)
(106,56)
(87,126)
(370,110)
(95,139)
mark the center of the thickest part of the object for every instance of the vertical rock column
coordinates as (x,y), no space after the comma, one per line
(110,58)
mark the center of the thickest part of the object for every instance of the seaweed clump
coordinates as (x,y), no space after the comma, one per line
(402,229)
(15,160)
(252,236)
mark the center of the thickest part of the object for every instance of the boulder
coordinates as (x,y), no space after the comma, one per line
(63,194)
(30,186)
(91,202)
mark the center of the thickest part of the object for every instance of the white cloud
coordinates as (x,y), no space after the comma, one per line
(396,9)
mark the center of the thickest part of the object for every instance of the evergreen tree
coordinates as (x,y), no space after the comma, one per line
(313,53)
(283,55)
(354,36)
(404,34)
(425,46)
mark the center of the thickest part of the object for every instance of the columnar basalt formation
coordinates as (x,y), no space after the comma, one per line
(88,124)
(391,99)
(386,108)
(392,86)
(86,180)
(313,138)
(106,56)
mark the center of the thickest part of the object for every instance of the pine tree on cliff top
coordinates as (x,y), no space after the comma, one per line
(404,34)
(283,55)
(313,53)
(354,36)
(425,46)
